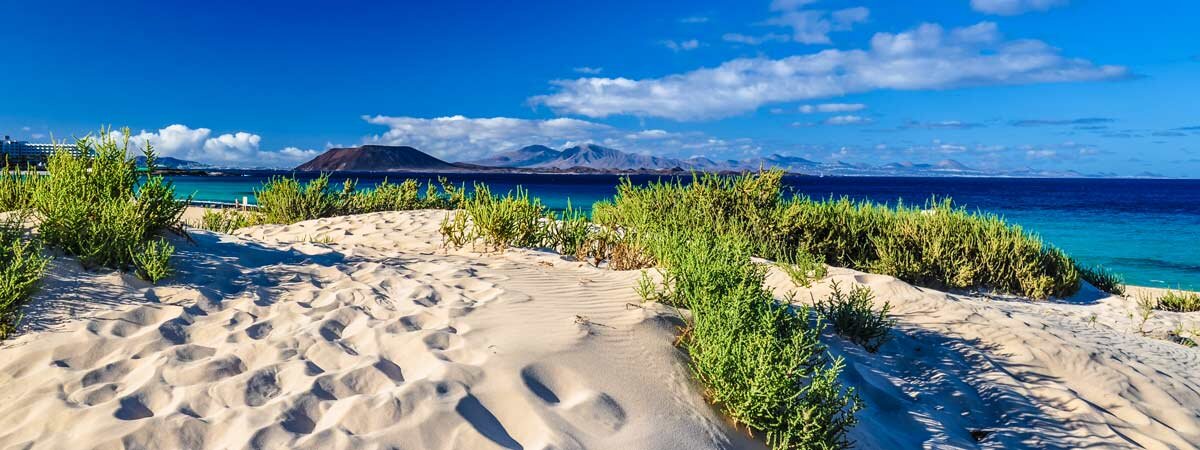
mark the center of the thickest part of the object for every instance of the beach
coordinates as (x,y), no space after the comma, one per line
(365,332)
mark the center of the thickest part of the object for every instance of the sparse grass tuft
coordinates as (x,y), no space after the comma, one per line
(852,316)
(286,200)
(1179,301)
(1104,279)
(226,220)
(153,260)
(514,220)
(804,268)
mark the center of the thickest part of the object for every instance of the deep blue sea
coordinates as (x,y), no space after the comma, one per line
(1148,230)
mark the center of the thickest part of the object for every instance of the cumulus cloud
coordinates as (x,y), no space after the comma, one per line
(234,149)
(681,46)
(814,26)
(832,108)
(589,70)
(925,58)
(1014,7)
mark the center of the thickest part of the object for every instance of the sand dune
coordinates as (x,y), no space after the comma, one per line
(380,339)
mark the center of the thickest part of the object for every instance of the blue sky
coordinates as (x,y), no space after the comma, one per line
(1098,86)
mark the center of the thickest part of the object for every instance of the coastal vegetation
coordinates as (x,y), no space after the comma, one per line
(92,205)
(287,200)
(95,206)
(1179,301)
(16,188)
(1104,279)
(852,315)
(21,268)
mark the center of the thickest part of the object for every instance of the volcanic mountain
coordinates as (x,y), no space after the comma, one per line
(524,157)
(375,158)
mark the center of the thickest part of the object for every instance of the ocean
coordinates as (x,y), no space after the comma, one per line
(1147,230)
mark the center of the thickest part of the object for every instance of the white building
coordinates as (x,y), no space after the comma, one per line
(22,153)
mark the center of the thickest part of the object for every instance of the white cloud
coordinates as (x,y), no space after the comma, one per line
(234,149)
(680,46)
(589,70)
(26,129)
(810,26)
(1041,154)
(1014,7)
(459,138)
(848,119)
(694,19)
(739,38)
(925,58)
(832,108)
(37,136)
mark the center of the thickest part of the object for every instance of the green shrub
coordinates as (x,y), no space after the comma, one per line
(1179,301)
(94,206)
(153,260)
(852,316)
(285,200)
(21,269)
(16,188)
(568,232)
(1103,279)
(514,220)
(804,268)
(939,245)
(227,220)
(760,362)
(454,229)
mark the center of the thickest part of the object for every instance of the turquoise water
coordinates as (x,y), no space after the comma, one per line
(1148,230)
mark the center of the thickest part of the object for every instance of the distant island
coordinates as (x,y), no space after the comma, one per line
(591,158)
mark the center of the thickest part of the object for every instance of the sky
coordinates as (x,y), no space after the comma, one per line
(1099,86)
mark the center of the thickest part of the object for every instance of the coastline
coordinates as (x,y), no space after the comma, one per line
(348,331)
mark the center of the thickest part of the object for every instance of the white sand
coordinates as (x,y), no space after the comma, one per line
(382,340)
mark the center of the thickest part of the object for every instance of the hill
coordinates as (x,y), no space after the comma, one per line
(375,158)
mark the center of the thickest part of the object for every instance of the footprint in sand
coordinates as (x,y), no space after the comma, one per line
(591,411)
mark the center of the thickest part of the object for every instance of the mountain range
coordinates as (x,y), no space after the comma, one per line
(591,158)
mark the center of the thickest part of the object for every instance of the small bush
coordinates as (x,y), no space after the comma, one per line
(1179,301)
(454,229)
(153,261)
(514,220)
(17,187)
(852,316)
(762,363)
(227,220)
(804,268)
(569,232)
(94,206)
(1103,279)
(21,269)
(285,200)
